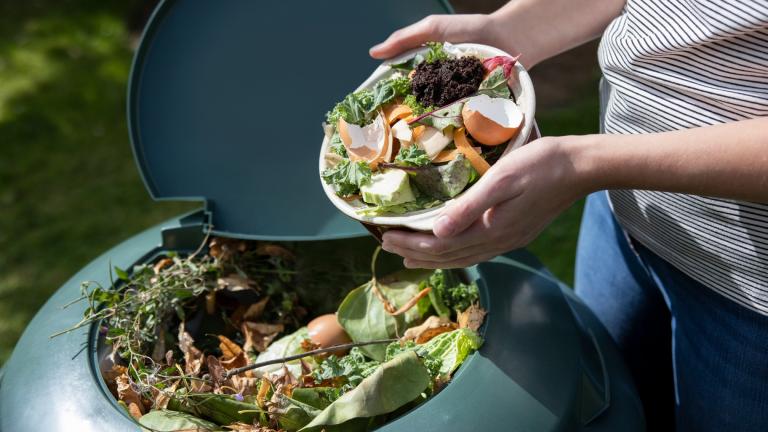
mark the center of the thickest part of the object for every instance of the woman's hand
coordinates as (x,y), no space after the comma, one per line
(444,28)
(507,208)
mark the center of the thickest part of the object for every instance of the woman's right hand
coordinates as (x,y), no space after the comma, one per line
(439,28)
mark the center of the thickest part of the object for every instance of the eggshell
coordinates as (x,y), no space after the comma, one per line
(371,143)
(491,121)
(326,331)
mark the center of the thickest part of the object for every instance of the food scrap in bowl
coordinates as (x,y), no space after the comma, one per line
(423,133)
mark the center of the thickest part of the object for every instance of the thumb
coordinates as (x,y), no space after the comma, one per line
(463,212)
(408,37)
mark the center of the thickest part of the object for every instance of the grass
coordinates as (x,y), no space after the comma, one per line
(69,188)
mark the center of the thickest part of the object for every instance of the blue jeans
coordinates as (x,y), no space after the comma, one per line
(699,360)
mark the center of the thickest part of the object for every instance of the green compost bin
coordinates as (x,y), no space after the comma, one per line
(224,105)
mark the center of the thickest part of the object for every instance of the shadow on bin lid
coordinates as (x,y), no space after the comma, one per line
(226,101)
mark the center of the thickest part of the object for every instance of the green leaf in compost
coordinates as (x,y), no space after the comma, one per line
(447,350)
(364,318)
(284,347)
(291,414)
(167,421)
(392,385)
(122,274)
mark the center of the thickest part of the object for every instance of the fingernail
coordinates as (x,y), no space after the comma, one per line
(443,226)
(374,48)
(406,263)
(385,246)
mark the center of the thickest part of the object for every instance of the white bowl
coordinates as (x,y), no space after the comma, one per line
(423,220)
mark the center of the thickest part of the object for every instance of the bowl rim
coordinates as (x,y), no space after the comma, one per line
(423,220)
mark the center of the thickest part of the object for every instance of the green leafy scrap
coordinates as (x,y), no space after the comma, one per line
(412,156)
(444,353)
(346,177)
(350,370)
(435,53)
(495,85)
(337,145)
(448,292)
(360,107)
(392,385)
(362,314)
(418,109)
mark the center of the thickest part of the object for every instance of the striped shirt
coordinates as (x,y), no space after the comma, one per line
(677,64)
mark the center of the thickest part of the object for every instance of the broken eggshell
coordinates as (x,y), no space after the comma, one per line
(423,220)
(491,121)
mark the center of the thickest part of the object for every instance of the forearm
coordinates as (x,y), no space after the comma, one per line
(727,160)
(540,29)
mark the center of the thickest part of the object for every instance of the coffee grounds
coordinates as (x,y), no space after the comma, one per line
(444,81)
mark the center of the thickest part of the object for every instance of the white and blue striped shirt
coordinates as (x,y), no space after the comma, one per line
(677,64)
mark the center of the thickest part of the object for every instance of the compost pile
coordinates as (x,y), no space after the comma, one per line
(180,327)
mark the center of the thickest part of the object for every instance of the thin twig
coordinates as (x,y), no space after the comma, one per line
(334,348)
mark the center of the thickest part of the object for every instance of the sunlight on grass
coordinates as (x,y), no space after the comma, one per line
(68,185)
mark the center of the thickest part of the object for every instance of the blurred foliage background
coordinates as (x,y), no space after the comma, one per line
(69,188)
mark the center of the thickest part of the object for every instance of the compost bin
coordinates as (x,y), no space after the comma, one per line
(224,105)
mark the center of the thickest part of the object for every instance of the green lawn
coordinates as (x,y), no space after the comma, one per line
(68,186)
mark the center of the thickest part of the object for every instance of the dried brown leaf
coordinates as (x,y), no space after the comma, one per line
(255,310)
(162,397)
(245,385)
(271,249)
(229,349)
(218,375)
(433,326)
(243,427)
(128,394)
(261,396)
(163,263)
(223,248)
(258,336)
(472,317)
(110,377)
(193,357)
(235,282)
(239,360)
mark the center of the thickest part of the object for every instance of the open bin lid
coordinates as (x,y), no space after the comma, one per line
(226,101)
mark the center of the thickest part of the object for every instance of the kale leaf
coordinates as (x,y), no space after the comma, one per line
(448,292)
(436,52)
(347,371)
(412,156)
(360,107)
(347,176)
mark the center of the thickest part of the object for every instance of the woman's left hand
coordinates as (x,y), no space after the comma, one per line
(507,208)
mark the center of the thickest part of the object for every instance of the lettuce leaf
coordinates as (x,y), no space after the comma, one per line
(444,353)
(363,317)
(284,347)
(167,420)
(393,384)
